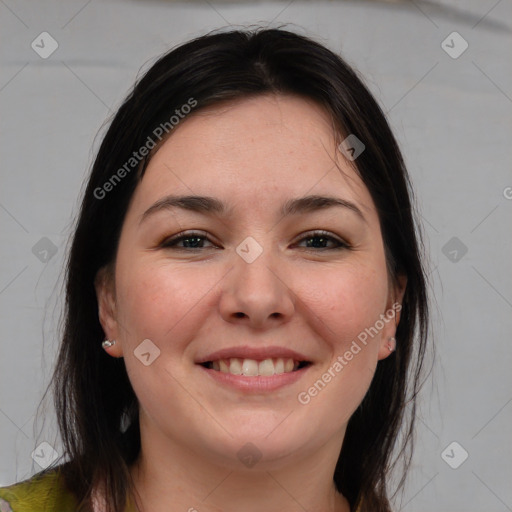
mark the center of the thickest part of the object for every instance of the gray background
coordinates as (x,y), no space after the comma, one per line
(452,117)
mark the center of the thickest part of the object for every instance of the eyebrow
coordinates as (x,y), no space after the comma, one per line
(212,206)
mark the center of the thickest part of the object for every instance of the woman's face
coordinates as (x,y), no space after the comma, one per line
(263,281)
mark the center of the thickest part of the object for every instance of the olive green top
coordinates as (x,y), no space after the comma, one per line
(42,493)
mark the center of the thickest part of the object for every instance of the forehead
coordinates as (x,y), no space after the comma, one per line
(253,151)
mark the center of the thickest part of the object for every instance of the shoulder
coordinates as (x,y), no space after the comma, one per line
(43,492)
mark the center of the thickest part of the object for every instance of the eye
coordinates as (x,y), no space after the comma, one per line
(320,240)
(191,240)
(194,240)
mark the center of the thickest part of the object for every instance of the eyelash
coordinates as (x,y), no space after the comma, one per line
(170,243)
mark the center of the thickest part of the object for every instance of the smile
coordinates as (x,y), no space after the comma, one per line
(255,368)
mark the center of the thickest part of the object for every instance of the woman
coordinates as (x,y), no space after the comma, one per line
(246,312)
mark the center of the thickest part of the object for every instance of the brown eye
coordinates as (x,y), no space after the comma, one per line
(321,239)
(192,240)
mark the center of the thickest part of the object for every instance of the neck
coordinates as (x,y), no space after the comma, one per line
(178,479)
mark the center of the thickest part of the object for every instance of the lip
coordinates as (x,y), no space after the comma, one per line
(258,384)
(257,353)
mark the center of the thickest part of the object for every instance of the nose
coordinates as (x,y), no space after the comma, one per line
(254,294)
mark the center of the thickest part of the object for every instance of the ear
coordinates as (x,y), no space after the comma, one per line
(392,314)
(105,295)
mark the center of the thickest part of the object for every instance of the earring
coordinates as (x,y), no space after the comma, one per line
(392,344)
(108,343)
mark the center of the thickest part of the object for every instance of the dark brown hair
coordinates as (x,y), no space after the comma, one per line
(96,407)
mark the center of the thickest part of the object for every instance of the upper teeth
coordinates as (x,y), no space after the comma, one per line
(253,368)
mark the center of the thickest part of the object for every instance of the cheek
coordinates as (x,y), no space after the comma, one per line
(350,304)
(144,297)
(162,302)
(345,301)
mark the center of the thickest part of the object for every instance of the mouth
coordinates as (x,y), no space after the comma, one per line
(255,367)
(251,369)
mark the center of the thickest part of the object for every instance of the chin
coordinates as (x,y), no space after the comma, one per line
(266,443)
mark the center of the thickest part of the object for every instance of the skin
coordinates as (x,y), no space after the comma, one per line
(253,154)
